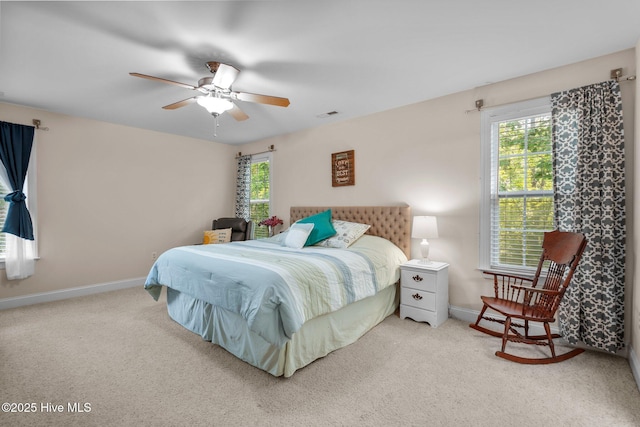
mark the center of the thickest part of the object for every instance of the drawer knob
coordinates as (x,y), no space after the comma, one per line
(417,296)
(417,278)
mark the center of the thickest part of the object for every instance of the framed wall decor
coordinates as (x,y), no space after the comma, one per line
(343,170)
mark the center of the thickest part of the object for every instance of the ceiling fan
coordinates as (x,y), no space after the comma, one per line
(216,93)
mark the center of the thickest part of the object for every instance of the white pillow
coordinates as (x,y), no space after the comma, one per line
(346,234)
(297,235)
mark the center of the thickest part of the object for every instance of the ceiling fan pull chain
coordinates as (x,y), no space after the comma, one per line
(215,126)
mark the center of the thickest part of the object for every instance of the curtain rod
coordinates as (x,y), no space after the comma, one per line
(480,104)
(616,74)
(37,123)
(268,150)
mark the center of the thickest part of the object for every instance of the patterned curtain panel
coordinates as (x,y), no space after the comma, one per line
(243,187)
(589,187)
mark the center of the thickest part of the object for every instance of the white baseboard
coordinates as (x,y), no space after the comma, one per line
(635,365)
(6,303)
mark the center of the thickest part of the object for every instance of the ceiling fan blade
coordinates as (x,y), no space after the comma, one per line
(225,76)
(179,104)
(144,76)
(262,99)
(237,113)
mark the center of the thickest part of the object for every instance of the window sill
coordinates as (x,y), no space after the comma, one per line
(2,262)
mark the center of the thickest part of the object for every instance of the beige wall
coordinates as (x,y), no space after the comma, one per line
(426,155)
(108,196)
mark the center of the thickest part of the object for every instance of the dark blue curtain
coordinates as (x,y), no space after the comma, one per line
(15,150)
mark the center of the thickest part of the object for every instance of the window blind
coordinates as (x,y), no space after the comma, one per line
(3,215)
(260,194)
(522,190)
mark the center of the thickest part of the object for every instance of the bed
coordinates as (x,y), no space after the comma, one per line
(276,335)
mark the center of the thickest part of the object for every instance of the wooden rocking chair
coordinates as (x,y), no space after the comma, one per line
(525,300)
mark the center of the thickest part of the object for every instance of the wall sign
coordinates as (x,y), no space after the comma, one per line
(343,171)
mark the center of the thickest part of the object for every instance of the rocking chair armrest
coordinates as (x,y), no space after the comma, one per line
(529,292)
(532,289)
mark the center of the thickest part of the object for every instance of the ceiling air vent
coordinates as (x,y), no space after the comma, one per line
(330,113)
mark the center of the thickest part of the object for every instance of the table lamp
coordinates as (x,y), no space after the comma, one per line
(424,227)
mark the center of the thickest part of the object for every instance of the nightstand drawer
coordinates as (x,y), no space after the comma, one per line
(417,298)
(425,281)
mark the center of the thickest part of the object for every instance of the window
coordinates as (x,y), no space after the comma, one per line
(3,215)
(29,191)
(260,202)
(517,185)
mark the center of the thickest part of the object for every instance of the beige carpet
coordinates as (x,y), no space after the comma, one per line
(121,354)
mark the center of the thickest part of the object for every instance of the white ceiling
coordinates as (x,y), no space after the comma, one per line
(353,57)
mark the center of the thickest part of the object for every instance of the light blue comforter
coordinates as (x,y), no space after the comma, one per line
(275,288)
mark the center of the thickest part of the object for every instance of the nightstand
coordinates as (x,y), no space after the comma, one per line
(424,291)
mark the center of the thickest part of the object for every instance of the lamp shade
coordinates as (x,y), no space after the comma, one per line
(214,105)
(424,227)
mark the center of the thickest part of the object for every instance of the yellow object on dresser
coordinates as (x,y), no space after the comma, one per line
(212,237)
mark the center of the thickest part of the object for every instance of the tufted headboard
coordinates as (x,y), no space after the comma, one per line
(391,222)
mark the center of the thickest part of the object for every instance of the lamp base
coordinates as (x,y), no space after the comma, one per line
(424,250)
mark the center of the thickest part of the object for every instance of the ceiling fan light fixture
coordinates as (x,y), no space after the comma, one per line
(216,93)
(214,105)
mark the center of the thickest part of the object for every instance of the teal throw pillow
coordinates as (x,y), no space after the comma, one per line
(322,227)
